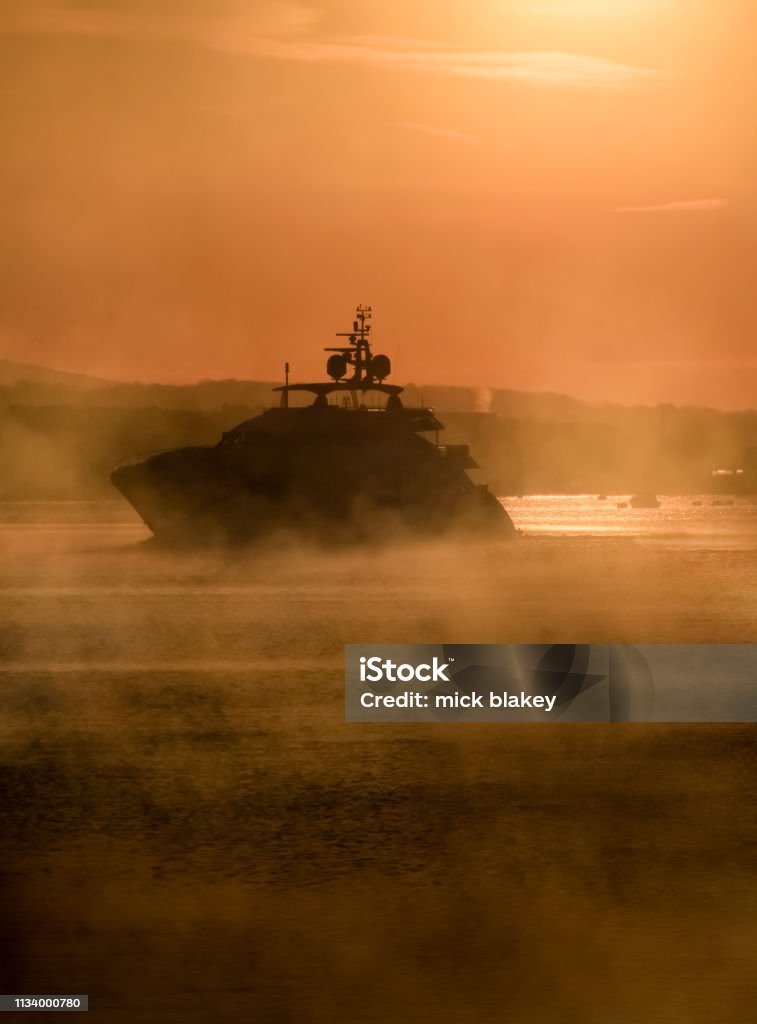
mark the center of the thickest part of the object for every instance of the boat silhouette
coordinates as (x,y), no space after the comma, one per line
(339,468)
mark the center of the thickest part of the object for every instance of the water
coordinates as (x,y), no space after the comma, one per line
(700,520)
(191,832)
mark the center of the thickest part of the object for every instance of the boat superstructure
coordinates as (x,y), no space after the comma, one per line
(351,464)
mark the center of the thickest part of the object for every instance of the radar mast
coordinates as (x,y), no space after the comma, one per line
(366,368)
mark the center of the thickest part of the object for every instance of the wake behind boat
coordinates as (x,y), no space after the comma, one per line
(338,468)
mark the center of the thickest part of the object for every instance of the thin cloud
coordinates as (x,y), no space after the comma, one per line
(286,32)
(535,67)
(594,8)
(442,133)
(680,205)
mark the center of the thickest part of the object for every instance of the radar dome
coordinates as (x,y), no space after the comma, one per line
(381,367)
(336,367)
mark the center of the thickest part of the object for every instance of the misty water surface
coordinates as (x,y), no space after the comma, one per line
(191,831)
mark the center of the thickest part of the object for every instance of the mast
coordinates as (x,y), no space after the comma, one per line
(366,368)
(284,403)
(368,371)
(360,356)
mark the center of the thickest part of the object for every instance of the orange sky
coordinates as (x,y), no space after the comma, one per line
(537,194)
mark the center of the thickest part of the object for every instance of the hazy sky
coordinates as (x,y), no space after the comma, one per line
(540,194)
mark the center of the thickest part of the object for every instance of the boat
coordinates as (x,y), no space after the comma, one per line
(354,464)
(644,501)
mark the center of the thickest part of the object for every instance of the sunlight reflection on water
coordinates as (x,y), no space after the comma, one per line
(691,519)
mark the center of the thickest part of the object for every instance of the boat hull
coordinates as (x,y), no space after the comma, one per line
(338,488)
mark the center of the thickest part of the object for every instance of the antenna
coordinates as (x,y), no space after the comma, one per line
(357,354)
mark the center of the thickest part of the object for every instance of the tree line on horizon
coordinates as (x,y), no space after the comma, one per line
(61,442)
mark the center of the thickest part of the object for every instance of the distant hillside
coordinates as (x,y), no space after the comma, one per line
(28,385)
(12,373)
(540,405)
(23,384)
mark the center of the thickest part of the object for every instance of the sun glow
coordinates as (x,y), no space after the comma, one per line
(583,167)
